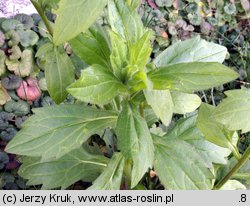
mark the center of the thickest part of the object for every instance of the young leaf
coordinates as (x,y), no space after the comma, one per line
(192,50)
(97,85)
(63,172)
(111,177)
(179,166)
(141,50)
(74,17)
(119,55)
(125,21)
(137,80)
(212,130)
(185,103)
(189,77)
(161,103)
(59,74)
(93,47)
(234,111)
(135,142)
(56,130)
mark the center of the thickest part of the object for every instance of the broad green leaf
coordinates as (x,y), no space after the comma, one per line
(119,55)
(93,46)
(212,130)
(187,130)
(59,74)
(125,21)
(192,50)
(74,17)
(234,111)
(185,103)
(135,142)
(56,130)
(189,77)
(141,50)
(63,172)
(96,85)
(111,177)
(161,103)
(179,166)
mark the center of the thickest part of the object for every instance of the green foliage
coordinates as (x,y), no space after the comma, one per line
(125,21)
(161,103)
(185,103)
(84,13)
(234,111)
(111,178)
(134,141)
(59,71)
(192,50)
(189,77)
(171,159)
(72,123)
(96,85)
(214,131)
(93,46)
(62,172)
(177,150)
(125,104)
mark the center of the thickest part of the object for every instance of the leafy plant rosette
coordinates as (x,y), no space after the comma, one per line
(120,97)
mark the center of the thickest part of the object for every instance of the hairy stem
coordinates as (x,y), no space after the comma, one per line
(43,16)
(245,157)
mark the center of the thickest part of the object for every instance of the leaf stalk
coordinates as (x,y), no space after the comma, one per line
(43,16)
(245,157)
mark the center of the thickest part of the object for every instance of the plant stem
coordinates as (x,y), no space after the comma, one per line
(235,169)
(43,16)
(236,153)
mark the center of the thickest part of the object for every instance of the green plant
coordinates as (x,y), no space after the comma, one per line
(124,109)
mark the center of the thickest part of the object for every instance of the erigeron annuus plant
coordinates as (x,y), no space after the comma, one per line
(121,96)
